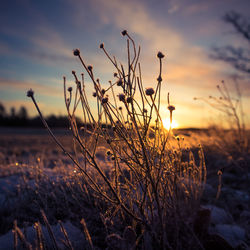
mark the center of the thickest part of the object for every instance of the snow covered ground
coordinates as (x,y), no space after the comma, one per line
(35,174)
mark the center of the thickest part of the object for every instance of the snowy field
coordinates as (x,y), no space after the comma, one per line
(36,176)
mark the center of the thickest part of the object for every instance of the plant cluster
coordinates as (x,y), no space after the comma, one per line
(232,107)
(152,188)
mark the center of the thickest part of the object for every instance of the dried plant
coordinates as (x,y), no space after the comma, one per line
(231,106)
(150,185)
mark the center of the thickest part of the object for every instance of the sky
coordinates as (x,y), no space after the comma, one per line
(37,39)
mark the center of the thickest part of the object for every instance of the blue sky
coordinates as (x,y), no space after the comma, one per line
(37,38)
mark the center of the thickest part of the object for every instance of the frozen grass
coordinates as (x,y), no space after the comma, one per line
(55,185)
(150,185)
(231,133)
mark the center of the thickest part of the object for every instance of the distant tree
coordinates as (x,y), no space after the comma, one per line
(238,57)
(23,113)
(13,112)
(2,111)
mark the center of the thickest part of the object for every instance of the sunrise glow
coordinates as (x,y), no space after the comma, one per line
(166,123)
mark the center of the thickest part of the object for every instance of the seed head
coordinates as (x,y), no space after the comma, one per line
(105,100)
(103,91)
(76,52)
(101,45)
(160,55)
(108,152)
(124,32)
(94,94)
(30,93)
(90,68)
(115,74)
(171,108)
(159,79)
(69,89)
(121,97)
(129,99)
(119,82)
(150,91)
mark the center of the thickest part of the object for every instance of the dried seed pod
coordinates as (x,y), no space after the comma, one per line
(105,100)
(149,91)
(171,108)
(119,82)
(30,93)
(124,32)
(121,97)
(160,55)
(129,99)
(76,52)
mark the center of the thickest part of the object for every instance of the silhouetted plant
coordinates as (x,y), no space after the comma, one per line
(152,185)
(232,107)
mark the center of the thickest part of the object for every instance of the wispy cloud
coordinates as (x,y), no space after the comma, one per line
(174,6)
(184,60)
(44,45)
(197,7)
(15,85)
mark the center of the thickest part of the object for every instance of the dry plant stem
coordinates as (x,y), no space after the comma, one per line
(69,244)
(69,155)
(18,234)
(108,183)
(39,236)
(15,237)
(112,61)
(147,181)
(50,231)
(232,107)
(155,191)
(87,235)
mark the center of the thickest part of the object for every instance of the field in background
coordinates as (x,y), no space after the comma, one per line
(35,174)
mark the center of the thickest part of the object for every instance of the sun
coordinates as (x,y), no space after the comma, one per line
(166,123)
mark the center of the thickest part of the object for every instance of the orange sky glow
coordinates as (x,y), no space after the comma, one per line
(36,50)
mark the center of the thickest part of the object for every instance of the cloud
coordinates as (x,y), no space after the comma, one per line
(187,71)
(197,7)
(43,44)
(174,6)
(15,85)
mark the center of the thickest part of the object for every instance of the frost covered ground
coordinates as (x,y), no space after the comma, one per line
(35,175)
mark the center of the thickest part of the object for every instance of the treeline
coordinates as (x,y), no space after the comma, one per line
(20,118)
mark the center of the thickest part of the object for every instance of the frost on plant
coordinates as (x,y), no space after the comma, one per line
(150,184)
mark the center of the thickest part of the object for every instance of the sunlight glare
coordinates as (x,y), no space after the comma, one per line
(166,123)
